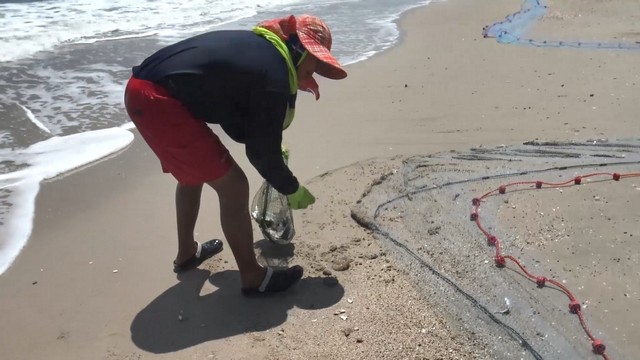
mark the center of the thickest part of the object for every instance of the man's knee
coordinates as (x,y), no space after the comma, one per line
(234,183)
(184,190)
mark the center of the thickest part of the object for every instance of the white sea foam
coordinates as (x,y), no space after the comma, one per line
(118,37)
(34,119)
(28,27)
(4,137)
(47,159)
(17,221)
(69,98)
(128,126)
(360,29)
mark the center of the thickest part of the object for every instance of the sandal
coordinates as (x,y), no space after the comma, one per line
(276,281)
(203,252)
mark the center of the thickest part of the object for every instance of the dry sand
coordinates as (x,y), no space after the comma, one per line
(95,280)
(587,238)
(590,20)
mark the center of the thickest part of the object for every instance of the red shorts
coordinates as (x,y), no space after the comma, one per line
(186,146)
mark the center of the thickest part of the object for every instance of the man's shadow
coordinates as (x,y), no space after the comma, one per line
(180,317)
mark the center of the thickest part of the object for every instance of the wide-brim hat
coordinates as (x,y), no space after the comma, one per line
(315,36)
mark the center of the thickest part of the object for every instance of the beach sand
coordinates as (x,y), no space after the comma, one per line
(95,279)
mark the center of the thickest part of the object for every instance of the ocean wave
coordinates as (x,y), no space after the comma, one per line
(30,27)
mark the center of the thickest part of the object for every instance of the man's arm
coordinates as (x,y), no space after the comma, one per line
(264,141)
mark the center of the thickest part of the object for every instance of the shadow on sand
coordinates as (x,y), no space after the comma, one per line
(181,317)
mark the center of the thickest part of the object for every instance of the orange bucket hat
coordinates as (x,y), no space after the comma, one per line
(315,36)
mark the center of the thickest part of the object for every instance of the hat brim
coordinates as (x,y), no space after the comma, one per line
(328,65)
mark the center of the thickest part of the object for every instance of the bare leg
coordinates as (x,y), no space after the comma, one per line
(187,208)
(233,194)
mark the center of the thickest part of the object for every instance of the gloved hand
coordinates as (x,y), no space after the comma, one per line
(301,198)
(285,153)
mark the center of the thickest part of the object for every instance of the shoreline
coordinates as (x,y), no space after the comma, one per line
(130,127)
(426,94)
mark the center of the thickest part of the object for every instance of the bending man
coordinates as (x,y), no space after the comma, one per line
(245,81)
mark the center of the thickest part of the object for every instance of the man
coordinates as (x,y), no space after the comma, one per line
(247,82)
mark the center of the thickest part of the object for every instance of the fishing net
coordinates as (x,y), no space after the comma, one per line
(422,212)
(538,22)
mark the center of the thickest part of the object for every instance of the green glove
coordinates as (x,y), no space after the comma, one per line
(301,198)
(285,153)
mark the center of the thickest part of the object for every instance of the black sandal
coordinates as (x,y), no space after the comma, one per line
(276,281)
(203,252)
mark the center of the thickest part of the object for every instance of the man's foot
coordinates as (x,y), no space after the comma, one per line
(203,252)
(275,281)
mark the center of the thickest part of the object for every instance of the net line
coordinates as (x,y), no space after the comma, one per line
(380,230)
(512,30)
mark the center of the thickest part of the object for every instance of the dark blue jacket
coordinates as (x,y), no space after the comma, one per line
(236,79)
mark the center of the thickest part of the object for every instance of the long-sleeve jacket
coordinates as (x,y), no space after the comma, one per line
(236,79)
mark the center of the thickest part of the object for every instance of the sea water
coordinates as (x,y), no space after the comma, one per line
(64,65)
